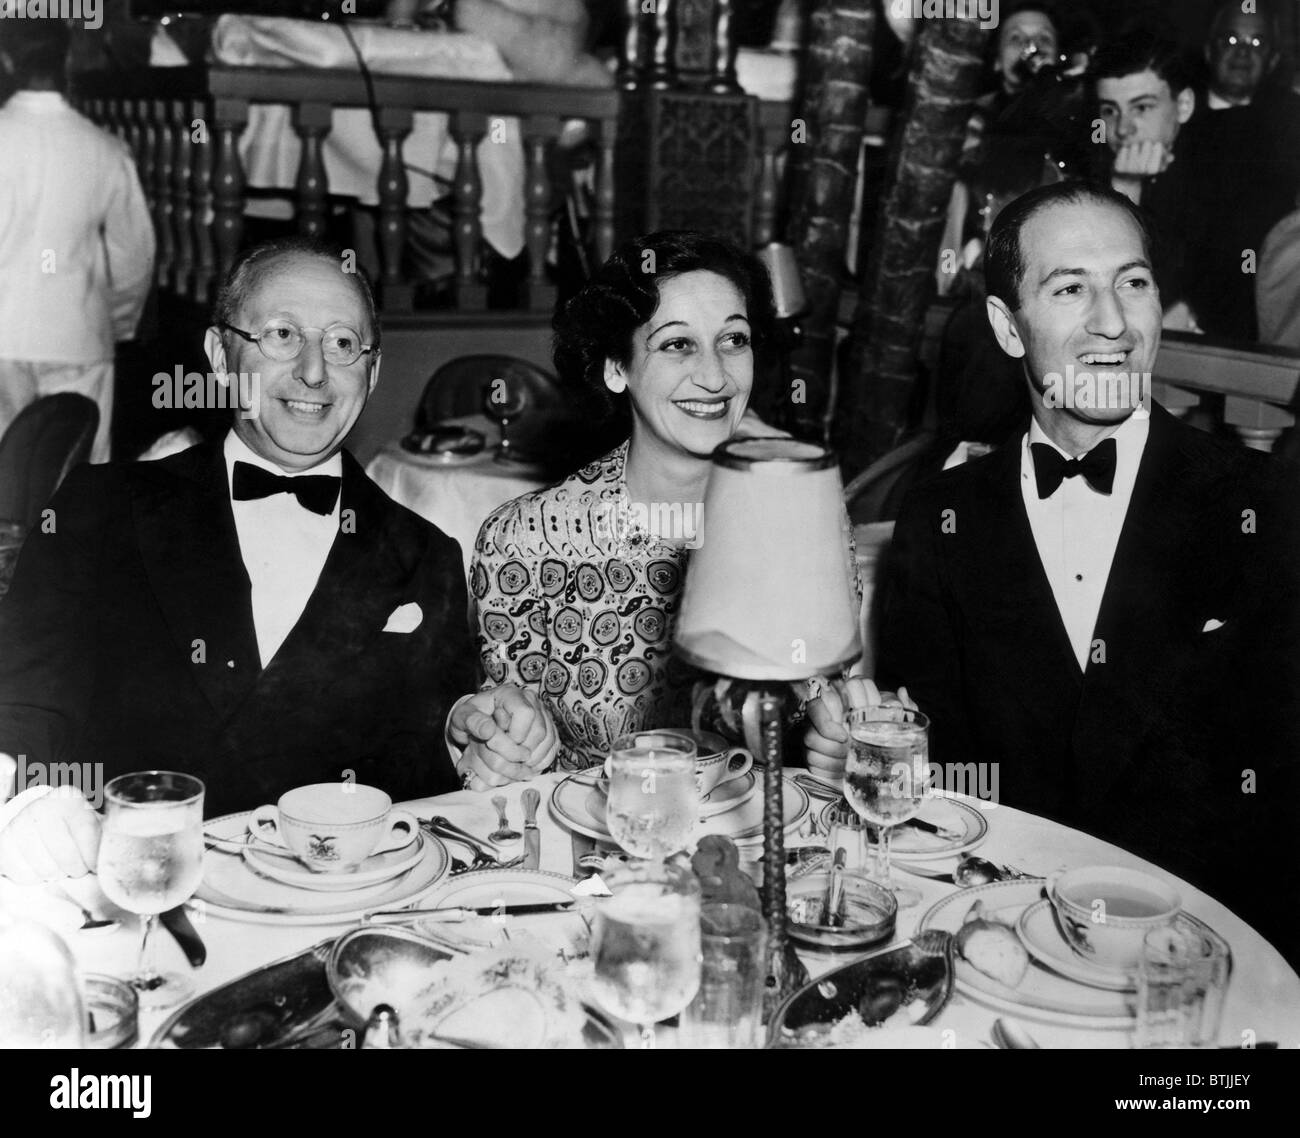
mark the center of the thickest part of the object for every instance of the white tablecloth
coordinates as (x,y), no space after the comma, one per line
(456,497)
(1264,995)
(270,149)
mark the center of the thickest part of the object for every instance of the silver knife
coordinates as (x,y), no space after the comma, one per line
(530,909)
(177,922)
(532,835)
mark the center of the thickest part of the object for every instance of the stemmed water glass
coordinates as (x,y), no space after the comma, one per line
(645,944)
(653,801)
(503,401)
(887,775)
(151,860)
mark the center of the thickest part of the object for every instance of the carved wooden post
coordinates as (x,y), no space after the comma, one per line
(312,122)
(145,155)
(662,71)
(537,210)
(394,125)
(204,267)
(724,49)
(182,152)
(604,209)
(162,191)
(770,137)
(467,128)
(632,47)
(229,116)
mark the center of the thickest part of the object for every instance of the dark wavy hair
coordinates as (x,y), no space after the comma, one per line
(1004,260)
(1144,50)
(597,323)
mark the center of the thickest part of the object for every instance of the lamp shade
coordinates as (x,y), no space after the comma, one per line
(768,592)
(787,286)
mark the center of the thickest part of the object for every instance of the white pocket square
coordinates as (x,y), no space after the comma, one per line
(1212,624)
(404,618)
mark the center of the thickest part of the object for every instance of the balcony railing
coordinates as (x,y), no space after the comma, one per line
(196,187)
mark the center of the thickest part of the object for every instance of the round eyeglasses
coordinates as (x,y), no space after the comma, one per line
(1229,40)
(283,340)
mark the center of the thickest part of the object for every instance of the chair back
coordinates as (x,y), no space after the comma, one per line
(876,493)
(460,386)
(48,439)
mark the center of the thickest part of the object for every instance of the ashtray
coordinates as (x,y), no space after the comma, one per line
(869,912)
(111,1012)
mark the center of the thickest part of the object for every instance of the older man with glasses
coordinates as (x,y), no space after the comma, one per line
(256,612)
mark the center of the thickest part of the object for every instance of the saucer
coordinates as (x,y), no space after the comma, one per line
(1044,941)
(728,795)
(376,869)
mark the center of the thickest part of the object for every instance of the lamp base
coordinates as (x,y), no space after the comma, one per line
(762,707)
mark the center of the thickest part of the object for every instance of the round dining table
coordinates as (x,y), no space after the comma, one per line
(1262,1003)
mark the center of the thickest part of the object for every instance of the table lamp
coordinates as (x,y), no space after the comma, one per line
(769,600)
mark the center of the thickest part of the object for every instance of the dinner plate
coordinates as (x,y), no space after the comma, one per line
(231,889)
(1042,937)
(1043,994)
(578,805)
(910,844)
(375,870)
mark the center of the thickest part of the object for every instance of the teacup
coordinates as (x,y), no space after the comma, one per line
(1106,911)
(332,827)
(715,762)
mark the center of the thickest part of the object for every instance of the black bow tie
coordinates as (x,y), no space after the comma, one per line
(315,492)
(1051,467)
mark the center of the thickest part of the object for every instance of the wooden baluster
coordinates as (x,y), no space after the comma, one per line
(765,198)
(204,267)
(1259,425)
(537,210)
(229,117)
(467,127)
(724,47)
(162,191)
(147,152)
(312,122)
(394,125)
(662,72)
(603,237)
(182,239)
(632,48)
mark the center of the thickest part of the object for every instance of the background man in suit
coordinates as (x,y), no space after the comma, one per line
(1106,607)
(256,613)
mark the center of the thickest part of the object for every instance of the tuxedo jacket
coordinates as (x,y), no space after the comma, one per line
(1191,681)
(127,639)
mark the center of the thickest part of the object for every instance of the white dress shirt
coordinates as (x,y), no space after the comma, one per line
(1077,529)
(284,546)
(76,239)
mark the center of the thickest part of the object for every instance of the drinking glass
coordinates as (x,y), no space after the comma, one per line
(727,1012)
(645,944)
(151,860)
(1181,983)
(503,401)
(887,776)
(653,802)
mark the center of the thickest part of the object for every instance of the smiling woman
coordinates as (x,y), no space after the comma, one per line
(576,587)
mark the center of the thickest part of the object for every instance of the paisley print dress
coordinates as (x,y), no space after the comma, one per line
(576,599)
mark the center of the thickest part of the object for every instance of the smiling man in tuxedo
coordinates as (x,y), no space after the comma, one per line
(1105,608)
(256,613)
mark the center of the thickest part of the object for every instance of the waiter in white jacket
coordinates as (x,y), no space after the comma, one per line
(76,239)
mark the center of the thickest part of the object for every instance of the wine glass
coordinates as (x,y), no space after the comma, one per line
(653,801)
(645,944)
(151,860)
(887,776)
(504,400)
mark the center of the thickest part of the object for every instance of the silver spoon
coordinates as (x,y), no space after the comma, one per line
(503,833)
(88,919)
(979,871)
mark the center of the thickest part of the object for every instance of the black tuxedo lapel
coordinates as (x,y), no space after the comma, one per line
(187,538)
(1013,572)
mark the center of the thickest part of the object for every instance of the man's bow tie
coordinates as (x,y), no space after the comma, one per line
(315,492)
(1051,467)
